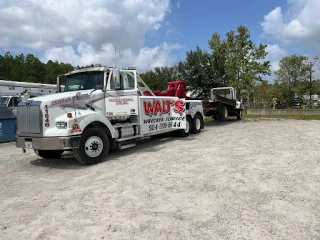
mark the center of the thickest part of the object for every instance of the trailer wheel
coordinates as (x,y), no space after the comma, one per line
(224,114)
(217,117)
(239,115)
(185,132)
(93,147)
(196,124)
(49,153)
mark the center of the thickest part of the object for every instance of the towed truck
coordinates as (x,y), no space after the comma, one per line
(222,103)
(103,109)
(11,102)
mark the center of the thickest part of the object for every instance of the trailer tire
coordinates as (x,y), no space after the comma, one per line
(185,132)
(224,114)
(196,124)
(48,153)
(239,115)
(217,117)
(93,147)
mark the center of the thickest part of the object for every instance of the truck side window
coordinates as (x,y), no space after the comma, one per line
(115,83)
(125,82)
(10,103)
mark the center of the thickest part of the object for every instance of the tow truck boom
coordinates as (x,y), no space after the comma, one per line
(175,89)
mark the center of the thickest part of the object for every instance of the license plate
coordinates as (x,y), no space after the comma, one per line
(28,144)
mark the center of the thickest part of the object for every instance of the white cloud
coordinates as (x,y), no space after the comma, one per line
(275,54)
(145,59)
(83,32)
(178,4)
(300,23)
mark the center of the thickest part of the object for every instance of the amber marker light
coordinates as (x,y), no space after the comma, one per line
(69,115)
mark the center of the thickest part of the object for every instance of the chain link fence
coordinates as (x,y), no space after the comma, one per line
(274,104)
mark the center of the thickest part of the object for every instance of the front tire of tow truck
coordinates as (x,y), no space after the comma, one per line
(196,124)
(48,153)
(93,147)
(185,132)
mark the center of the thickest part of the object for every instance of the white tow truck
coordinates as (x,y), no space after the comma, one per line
(102,109)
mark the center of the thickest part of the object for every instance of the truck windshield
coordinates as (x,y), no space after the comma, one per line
(4,100)
(84,81)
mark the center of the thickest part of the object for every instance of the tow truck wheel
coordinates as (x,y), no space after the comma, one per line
(185,132)
(93,147)
(49,153)
(196,124)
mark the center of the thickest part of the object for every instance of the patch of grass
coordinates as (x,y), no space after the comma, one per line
(297,116)
(207,119)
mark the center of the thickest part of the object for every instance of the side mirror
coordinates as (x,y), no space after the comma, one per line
(58,85)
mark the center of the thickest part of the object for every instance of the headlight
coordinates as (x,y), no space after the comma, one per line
(61,124)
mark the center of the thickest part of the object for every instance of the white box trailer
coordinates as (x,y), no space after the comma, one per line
(12,88)
(103,109)
(13,92)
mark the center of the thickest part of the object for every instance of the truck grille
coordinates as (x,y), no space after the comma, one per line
(29,119)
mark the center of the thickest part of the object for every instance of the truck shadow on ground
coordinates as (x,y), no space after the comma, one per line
(214,123)
(152,144)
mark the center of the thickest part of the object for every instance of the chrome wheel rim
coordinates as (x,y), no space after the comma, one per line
(198,123)
(187,127)
(93,146)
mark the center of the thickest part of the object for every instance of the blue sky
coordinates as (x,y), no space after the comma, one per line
(150,33)
(194,23)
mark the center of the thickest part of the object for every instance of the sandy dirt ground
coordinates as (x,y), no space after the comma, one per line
(253,179)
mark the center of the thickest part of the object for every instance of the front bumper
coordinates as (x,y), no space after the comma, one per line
(52,143)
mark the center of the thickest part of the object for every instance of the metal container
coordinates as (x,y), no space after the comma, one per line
(8,124)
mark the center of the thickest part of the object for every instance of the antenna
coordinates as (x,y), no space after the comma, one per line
(115,56)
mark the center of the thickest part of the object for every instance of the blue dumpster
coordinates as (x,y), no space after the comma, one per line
(8,124)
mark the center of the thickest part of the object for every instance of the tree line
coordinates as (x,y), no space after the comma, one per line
(233,60)
(30,69)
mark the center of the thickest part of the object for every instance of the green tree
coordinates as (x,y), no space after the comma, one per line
(263,95)
(316,87)
(18,68)
(34,69)
(6,66)
(53,69)
(29,68)
(159,77)
(240,62)
(199,71)
(2,68)
(291,78)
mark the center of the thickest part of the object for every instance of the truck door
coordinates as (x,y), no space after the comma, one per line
(13,104)
(10,104)
(121,94)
